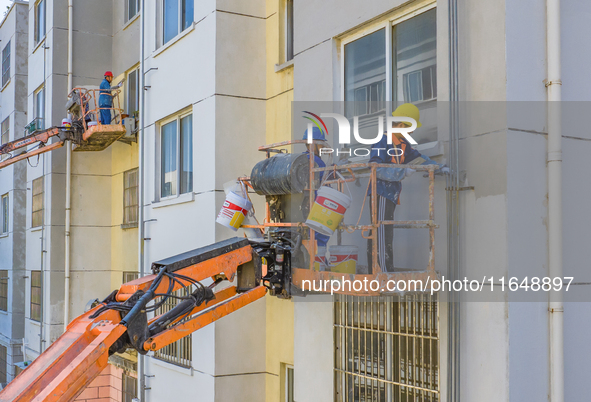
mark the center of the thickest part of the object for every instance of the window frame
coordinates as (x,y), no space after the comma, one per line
(40,194)
(138,7)
(40,90)
(38,38)
(287,396)
(135,70)
(40,291)
(388,23)
(5,135)
(178,154)
(289,29)
(6,59)
(161,36)
(4,290)
(5,214)
(126,394)
(3,364)
(128,223)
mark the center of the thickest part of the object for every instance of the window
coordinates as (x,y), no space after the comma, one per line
(289,384)
(5,134)
(130,198)
(36,295)
(387,348)
(3,290)
(132,9)
(4,218)
(413,74)
(133,92)
(6,64)
(39,108)
(37,219)
(288,30)
(176,158)
(39,21)
(128,388)
(180,352)
(3,364)
(129,276)
(177,15)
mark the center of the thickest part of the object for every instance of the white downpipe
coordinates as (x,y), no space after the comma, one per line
(555,304)
(68,179)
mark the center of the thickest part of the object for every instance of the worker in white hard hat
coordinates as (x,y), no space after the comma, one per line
(389,184)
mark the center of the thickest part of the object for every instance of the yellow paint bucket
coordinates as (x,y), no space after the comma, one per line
(328,210)
(343,259)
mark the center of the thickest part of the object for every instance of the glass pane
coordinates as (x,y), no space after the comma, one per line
(171,19)
(131,8)
(5,214)
(169,160)
(187,154)
(289,30)
(187,13)
(415,74)
(132,95)
(365,77)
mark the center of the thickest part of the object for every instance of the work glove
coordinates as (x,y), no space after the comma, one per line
(443,170)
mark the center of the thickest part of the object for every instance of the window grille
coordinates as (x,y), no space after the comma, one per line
(37,219)
(3,290)
(180,352)
(6,64)
(36,295)
(128,388)
(130,198)
(3,364)
(387,349)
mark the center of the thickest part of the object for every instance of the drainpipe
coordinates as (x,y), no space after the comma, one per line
(141,236)
(555,304)
(68,179)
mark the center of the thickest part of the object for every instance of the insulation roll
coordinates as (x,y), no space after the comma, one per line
(281,174)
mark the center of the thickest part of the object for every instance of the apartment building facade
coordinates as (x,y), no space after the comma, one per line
(13,110)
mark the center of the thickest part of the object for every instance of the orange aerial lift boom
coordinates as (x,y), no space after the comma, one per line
(121,320)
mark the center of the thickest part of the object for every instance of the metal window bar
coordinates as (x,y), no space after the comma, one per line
(387,349)
(179,353)
(128,387)
(6,64)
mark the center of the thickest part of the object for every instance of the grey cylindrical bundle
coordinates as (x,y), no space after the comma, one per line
(280,174)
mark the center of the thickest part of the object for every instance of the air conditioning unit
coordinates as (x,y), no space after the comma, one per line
(130,129)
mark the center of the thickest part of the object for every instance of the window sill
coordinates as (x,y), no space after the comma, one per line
(171,366)
(3,312)
(37,229)
(5,85)
(3,235)
(284,66)
(174,40)
(129,225)
(181,199)
(38,44)
(131,21)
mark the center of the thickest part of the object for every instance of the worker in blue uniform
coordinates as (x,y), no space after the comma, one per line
(106,98)
(389,184)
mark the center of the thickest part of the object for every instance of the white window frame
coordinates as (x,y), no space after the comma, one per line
(6,59)
(38,38)
(4,136)
(128,90)
(387,24)
(138,6)
(5,214)
(160,40)
(289,36)
(177,118)
(286,382)
(39,90)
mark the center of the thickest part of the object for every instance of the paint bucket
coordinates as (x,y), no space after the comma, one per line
(343,259)
(328,210)
(233,211)
(67,123)
(320,259)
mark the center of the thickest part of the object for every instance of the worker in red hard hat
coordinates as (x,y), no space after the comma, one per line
(106,99)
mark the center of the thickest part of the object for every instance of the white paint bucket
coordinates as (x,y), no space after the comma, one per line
(328,210)
(67,123)
(343,259)
(233,211)
(320,259)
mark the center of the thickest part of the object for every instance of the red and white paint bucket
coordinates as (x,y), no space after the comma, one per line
(320,259)
(233,211)
(343,259)
(328,210)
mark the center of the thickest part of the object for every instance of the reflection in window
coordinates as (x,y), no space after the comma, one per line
(168,145)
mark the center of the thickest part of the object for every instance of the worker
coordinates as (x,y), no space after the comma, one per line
(389,184)
(106,98)
(317,134)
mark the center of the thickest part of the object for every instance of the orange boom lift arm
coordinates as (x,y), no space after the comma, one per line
(120,321)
